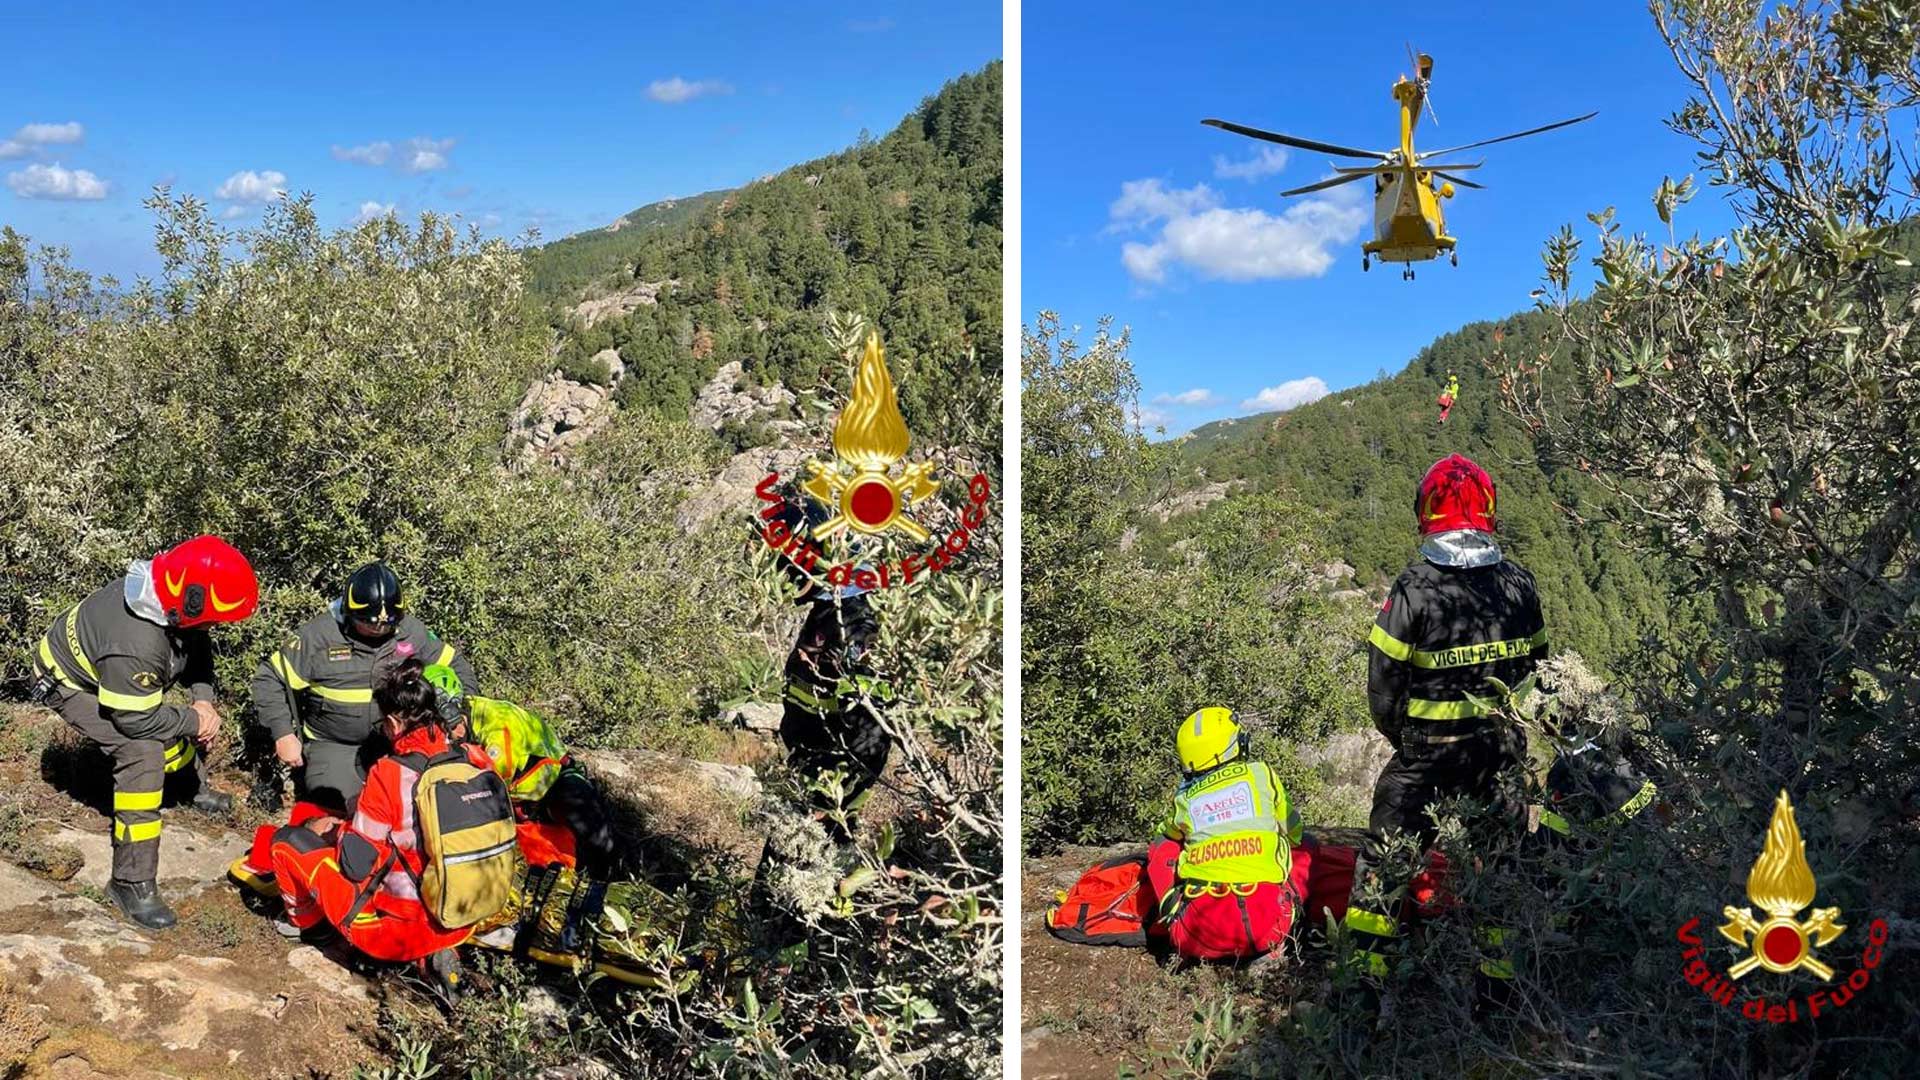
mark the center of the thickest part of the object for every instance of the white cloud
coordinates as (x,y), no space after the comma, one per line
(31,137)
(1147,418)
(424,155)
(50,134)
(233,212)
(255,188)
(1197,396)
(374,153)
(54,182)
(417,155)
(1266,162)
(1144,201)
(370,210)
(1287,395)
(676,90)
(1229,244)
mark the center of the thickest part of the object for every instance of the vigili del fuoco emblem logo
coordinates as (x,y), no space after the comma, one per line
(861,493)
(1781,885)
(871,437)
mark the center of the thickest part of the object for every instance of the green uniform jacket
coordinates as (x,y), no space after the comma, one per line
(100,647)
(327,674)
(525,751)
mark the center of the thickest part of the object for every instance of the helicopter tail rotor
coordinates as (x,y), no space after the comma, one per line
(1423,73)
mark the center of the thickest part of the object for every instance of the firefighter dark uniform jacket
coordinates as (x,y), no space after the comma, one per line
(1446,627)
(113,657)
(826,662)
(1235,826)
(328,675)
(101,647)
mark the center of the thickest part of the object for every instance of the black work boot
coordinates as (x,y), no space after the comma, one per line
(209,801)
(441,972)
(140,901)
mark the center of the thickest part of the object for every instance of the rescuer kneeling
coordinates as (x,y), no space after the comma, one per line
(1223,871)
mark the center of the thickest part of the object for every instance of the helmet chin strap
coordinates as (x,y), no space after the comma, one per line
(1233,751)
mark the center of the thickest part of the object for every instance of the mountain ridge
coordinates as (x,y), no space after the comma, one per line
(1358,454)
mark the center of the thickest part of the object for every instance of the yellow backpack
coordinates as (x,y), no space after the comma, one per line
(469,847)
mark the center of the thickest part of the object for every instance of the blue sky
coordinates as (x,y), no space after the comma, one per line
(1239,299)
(560,116)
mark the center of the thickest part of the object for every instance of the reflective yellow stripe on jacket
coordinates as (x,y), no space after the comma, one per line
(284,668)
(1425,709)
(1486,652)
(113,699)
(53,667)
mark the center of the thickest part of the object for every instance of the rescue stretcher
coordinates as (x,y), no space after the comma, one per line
(643,936)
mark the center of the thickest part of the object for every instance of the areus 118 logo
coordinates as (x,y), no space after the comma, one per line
(861,492)
(1778,940)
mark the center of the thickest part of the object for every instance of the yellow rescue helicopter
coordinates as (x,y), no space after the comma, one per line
(1408,226)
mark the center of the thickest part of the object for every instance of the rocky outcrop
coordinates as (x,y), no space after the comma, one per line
(700,803)
(557,413)
(1349,763)
(619,304)
(760,717)
(1187,502)
(721,401)
(1335,573)
(219,995)
(732,492)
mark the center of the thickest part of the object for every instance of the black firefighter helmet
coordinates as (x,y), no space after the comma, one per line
(373,595)
(801,516)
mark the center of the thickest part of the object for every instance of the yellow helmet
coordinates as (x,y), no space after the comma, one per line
(1207,738)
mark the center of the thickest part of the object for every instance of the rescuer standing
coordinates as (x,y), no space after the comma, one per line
(1461,614)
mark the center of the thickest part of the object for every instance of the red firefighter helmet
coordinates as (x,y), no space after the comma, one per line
(1455,494)
(205,580)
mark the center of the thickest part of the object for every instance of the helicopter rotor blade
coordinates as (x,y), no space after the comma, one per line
(1515,135)
(1457,180)
(1290,140)
(1335,182)
(1424,73)
(1459,166)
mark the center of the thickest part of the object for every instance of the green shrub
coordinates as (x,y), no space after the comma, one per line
(326,398)
(1117,647)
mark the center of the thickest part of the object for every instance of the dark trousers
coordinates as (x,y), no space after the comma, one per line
(1421,773)
(140,770)
(850,740)
(335,772)
(575,802)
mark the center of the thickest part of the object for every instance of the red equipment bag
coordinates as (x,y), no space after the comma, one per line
(1111,904)
(1329,882)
